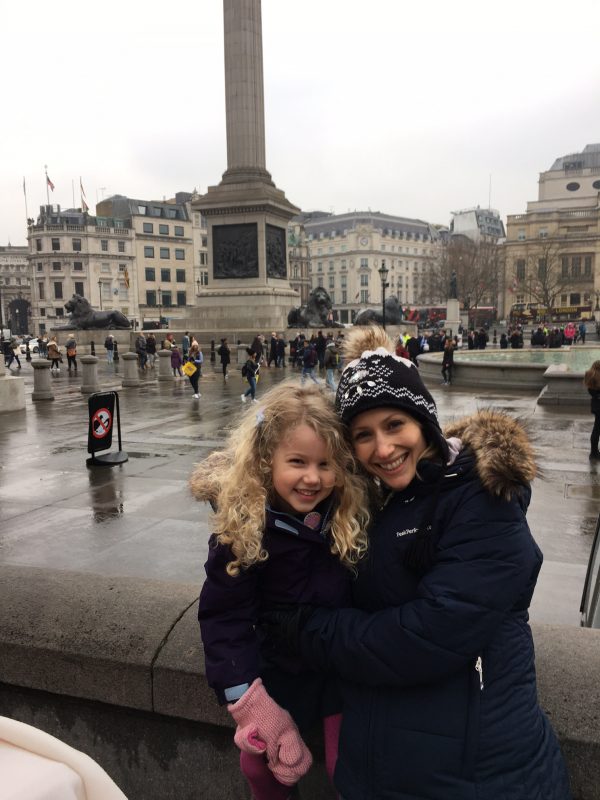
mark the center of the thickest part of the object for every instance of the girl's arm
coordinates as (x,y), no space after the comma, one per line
(487,565)
(227,613)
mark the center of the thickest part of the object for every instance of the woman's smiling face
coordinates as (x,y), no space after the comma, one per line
(388,443)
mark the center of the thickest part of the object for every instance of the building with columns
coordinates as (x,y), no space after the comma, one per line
(556,242)
(15,289)
(346,251)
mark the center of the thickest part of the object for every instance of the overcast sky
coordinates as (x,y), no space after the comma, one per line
(402,107)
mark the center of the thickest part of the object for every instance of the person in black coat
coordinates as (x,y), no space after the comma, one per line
(592,382)
(503,341)
(224,353)
(437,657)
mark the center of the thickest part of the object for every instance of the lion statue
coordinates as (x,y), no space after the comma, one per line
(370,316)
(317,313)
(83,316)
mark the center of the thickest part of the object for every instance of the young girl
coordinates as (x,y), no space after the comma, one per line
(592,382)
(196,357)
(290,525)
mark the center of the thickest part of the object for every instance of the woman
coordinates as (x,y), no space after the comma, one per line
(592,383)
(440,698)
(448,361)
(224,353)
(196,358)
(71,346)
(54,354)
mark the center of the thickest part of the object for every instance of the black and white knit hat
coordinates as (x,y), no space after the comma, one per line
(379,378)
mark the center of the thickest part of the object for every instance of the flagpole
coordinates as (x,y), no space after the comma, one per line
(25,193)
(47,192)
(73,191)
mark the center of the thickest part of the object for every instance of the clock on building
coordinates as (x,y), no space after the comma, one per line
(364,240)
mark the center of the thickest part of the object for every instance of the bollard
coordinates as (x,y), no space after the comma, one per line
(130,376)
(89,375)
(213,356)
(165,373)
(28,351)
(42,388)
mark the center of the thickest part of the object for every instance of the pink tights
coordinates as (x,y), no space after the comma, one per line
(263,783)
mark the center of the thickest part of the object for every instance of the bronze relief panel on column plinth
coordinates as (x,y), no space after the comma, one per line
(235,251)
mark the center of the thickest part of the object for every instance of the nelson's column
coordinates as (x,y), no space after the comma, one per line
(246,213)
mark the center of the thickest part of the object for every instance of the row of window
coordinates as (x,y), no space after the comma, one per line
(571,266)
(76,245)
(57,266)
(165,275)
(343,249)
(164,252)
(57,288)
(364,264)
(384,232)
(165,298)
(163,230)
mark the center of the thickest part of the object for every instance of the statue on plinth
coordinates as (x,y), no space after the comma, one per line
(373,316)
(317,313)
(83,316)
(453,293)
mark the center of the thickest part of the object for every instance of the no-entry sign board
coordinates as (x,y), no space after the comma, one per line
(101,408)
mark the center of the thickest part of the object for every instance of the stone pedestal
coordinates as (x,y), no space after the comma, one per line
(12,390)
(130,375)
(452,315)
(42,388)
(165,372)
(90,382)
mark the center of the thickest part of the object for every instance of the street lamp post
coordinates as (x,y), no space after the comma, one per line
(383,273)
(100,292)
(597,313)
(1,322)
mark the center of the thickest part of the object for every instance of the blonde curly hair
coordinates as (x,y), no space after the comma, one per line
(237,481)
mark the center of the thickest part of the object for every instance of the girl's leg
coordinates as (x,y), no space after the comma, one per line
(331,737)
(262,782)
(595,435)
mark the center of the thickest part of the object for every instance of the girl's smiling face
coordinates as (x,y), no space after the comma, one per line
(388,443)
(302,471)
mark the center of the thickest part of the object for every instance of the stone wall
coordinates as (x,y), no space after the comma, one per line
(114,666)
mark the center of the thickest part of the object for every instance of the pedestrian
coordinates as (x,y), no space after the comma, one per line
(54,354)
(503,341)
(272,350)
(250,372)
(287,470)
(14,347)
(176,361)
(320,345)
(109,346)
(151,350)
(448,361)
(43,346)
(309,362)
(331,362)
(437,658)
(280,350)
(224,353)
(168,341)
(569,333)
(196,358)
(71,345)
(582,332)
(592,383)
(8,353)
(185,345)
(141,350)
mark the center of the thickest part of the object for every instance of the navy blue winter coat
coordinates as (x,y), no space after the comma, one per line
(300,569)
(439,690)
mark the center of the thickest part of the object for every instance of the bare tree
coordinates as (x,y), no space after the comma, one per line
(545,279)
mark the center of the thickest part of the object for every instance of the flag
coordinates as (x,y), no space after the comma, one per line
(84,205)
(126,277)
(50,184)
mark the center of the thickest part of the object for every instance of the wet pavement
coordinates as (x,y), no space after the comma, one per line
(138,519)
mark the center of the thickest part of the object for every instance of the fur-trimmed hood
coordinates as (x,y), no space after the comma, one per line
(504,453)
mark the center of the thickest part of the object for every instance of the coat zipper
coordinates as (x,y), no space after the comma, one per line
(470,752)
(479,669)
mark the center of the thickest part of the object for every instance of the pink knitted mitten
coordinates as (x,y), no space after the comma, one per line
(265,727)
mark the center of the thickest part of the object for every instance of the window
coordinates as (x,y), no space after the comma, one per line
(180,278)
(205,241)
(123,292)
(163,230)
(521,235)
(332,297)
(343,280)
(76,244)
(364,263)
(179,254)
(543,233)
(576,267)
(320,281)
(78,266)
(167,299)
(319,266)
(344,296)
(165,252)
(151,298)
(38,245)
(364,279)
(79,288)
(41,291)
(165,275)
(154,212)
(148,227)
(121,246)
(59,312)
(343,263)
(541,273)
(181,298)
(40,266)
(564,264)
(575,299)
(204,279)
(564,299)
(42,314)
(203,259)
(331,281)
(150,274)
(521,269)
(142,210)
(56,267)
(587,266)
(171,213)
(104,245)
(179,230)
(330,249)
(58,292)
(104,267)
(55,244)
(364,295)
(331,266)
(148,252)
(106,290)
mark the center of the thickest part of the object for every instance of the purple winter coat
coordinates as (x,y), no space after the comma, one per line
(300,569)
(176,359)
